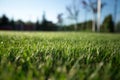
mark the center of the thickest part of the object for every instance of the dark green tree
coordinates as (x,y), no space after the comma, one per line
(37,25)
(108,23)
(4,20)
(12,23)
(118,26)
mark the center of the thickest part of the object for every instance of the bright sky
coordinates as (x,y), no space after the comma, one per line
(33,9)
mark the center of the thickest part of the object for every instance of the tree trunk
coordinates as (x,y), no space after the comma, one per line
(98,15)
(94,22)
(85,22)
(75,25)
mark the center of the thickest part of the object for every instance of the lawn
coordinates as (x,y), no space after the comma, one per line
(59,56)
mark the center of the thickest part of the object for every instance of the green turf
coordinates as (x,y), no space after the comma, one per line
(59,56)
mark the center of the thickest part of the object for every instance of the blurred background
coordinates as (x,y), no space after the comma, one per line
(60,15)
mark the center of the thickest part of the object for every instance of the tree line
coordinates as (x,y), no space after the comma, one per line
(73,10)
(44,25)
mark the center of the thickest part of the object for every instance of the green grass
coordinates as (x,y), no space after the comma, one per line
(59,56)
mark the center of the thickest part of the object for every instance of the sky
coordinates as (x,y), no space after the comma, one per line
(32,10)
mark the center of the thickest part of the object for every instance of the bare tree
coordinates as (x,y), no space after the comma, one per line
(60,20)
(73,11)
(83,2)
(95,6)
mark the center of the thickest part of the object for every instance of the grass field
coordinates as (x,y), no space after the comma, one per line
(59,56)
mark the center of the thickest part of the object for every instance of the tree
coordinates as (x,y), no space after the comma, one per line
(84,4)
(4,20)
(44,17)
(44,22)
(98,15)
(115,14)
(73,11)
(92,6)
(108,23)
(12,23)
(19,25)
(118,26)
(95,6)
(60,20)
(37,25)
